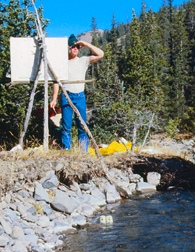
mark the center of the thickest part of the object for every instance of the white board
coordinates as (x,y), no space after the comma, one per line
(24,53)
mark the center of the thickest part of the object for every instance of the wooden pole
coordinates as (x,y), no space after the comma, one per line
(46,117)
(46,122)
(30,105)
(49,82)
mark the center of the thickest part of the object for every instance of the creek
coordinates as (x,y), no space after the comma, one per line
(164,221)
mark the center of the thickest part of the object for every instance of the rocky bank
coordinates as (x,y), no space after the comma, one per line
(46,195)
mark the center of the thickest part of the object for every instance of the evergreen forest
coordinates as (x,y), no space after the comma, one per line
(146,79)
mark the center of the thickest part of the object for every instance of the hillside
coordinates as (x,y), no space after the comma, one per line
(87,36)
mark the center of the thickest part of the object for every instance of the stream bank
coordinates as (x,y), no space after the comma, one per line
(44,195)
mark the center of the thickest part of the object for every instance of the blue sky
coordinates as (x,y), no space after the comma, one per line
(67,17)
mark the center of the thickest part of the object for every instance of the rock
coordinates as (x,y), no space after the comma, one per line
(94,201)
(41,193)
(20,246)
(95,192)
(144,187)
(64,203)
(31,239)
(61,227)
(132,187)
(58,167)
(3,241)
(23,193)
(47,210)
(85,187)
(85,210)
(112,195)
(151,150)
(43,221)
(3,205)
(6,226)
(50,183)
(17,232)
(78,221)
(153,178)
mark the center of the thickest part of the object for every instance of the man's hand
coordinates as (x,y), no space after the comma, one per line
(81,43)
(52,105)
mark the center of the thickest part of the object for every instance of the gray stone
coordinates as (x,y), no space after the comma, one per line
(23,193)
(37,248)
(20,246)
(48,236)
(61,227)
(3,241)
(32,239)
(8,198)
(28,231)
(132,187)
(22,209)
(84,187)
(1,230)
(6,226)
(112,195)
(153,178)
(43,221)
(17,232)
(98,194)
(64,203)
(29,217)
(135,178)
(32,210)
(79,221)
(12,215)
(59,166)
(85,210)
(144,187)
(47,210)
(52,182)
(41,193)
(94,201)
(3,204)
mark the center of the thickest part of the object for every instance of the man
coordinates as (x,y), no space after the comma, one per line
(77,67)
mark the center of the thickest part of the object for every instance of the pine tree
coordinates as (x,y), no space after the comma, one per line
(177,44)
(189,8)
(181,63)
(138,69)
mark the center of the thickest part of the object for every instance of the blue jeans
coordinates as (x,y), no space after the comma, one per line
(78,99)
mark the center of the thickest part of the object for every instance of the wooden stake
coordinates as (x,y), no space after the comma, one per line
(42,38)
(30,105)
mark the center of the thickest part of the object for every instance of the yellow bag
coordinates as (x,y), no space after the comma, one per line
(112,148)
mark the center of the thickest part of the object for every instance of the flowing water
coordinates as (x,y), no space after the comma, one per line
(164,222)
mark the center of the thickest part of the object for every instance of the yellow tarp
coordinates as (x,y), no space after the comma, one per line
(112,148)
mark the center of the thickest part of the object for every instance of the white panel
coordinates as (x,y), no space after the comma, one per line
(24,58)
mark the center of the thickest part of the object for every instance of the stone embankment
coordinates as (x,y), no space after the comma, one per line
(43,197)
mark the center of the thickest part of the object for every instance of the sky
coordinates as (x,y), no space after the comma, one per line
(67,17)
